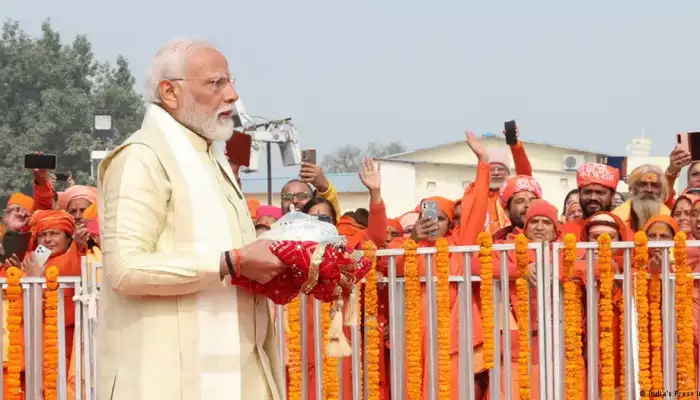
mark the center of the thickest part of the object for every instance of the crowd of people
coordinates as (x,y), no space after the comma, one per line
(146,227)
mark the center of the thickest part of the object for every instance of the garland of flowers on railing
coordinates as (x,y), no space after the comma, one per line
(330,364)
(522,258)
(607,371)
(657,378)
(685,362)
(486,261)
(15,313)
(51,333)
(572,322)
(294,348)
(371,323)
(623,375)
(442,292)
(641,259)
(414,345)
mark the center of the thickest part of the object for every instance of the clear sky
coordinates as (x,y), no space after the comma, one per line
(588,75)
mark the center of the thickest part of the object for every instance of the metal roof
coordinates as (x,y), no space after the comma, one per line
(344,183)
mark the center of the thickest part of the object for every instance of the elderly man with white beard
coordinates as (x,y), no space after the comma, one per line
(648,190)
(175,228)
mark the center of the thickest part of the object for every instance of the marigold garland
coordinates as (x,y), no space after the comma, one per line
(442,293)
(657,378)
(685,363)
(486,261)
(13,382)
(294,349)
(51,333)
(641,259)
(330,364)
(371,324)
(607,371)
(414,337)
(623,375)
(572,322)
(522,258)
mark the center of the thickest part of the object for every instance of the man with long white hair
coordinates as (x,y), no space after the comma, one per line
(648,190)
(175,227)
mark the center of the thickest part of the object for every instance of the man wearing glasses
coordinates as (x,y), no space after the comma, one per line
(175,226)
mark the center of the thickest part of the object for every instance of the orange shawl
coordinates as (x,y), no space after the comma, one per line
(352,230)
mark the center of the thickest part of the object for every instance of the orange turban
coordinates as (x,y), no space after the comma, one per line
(253,205)
(50,219)
(445,205)
(597,174)
(666,219)
(394,223)
(21,199)
(352,230)
(517,184)
(88,193)
(90,212)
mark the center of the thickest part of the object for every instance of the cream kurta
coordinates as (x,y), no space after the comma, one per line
(151,328)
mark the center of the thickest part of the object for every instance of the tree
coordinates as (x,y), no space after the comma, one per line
(349,158)
(49,93)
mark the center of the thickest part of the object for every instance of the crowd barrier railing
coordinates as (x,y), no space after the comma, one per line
(549,324)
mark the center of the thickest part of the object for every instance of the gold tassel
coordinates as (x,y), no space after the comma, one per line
(351,313)
(338,345)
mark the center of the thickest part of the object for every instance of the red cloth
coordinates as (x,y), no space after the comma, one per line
(542,208)
(598,174)
(337,270)
(42,220)
(516,184)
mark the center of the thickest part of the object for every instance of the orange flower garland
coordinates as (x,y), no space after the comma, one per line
(13,382)
(572,322)
(486,260)
(623,376)
(371,325)
(442,293)
(657,378)
(330,364)
(685,363)
(607,372)
(51,333)
(414,338)
(294,349)
(522,257)
(641,259)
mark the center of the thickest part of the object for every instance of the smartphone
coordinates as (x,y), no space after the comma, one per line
(308,156)
(40,161)
(92,227)
(16,243)
(429,209)
(41,254)
(62,176)
(511,137)
(690,142)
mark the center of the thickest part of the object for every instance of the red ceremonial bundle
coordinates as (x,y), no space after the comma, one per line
(327,272)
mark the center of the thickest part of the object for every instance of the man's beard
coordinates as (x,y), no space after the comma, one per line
(587,212)
(517,220)
(496,184)
(644,208)
(209,126)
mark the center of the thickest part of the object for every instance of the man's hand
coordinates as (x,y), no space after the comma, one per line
(81,235)
(313,174)
(31,267)
(258,263)
(424,229)
(477,147)
(532,276)
(369,175)
(679,158)
(70,181)
(12,261)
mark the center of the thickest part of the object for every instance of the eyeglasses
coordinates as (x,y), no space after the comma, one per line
(216,85)
(324,218)
(295,196)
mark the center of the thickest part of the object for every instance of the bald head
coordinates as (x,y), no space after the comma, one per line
(190,79)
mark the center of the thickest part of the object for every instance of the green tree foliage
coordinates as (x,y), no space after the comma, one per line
(49,93)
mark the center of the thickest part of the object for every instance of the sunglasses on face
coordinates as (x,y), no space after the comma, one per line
(295,196)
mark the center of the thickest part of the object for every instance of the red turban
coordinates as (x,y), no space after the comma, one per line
(666,219)
(445,205)
(542,208)
(394,223)
(517,184)
(88,193)
(597,174)
(21,199)
(50,219)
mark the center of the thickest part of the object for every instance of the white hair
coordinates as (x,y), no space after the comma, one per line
(169,63)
